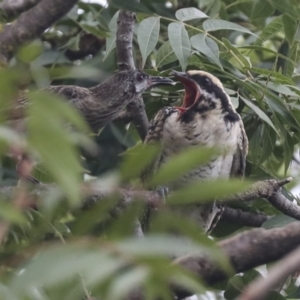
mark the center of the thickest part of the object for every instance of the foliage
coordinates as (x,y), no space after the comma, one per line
(64,252)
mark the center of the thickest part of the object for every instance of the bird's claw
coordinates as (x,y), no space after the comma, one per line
(163,191)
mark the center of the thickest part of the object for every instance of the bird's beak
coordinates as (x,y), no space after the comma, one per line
(192,89)
(158,80)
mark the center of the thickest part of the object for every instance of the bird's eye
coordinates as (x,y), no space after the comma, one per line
(206,81)
(140,77)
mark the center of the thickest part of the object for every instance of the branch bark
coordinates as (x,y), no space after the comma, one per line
(260,288)
(31,24)
(245,251)
(244,218)
(12,8)
(125,60)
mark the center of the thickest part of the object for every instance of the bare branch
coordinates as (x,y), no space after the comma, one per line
(12,8)
(31,24)
(244,218)
(260,288)
(245,251)
(124,39)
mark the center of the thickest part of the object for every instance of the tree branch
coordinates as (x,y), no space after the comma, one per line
(244,218)
(125,60)
(31,24)
(260,288)
(12,8)
(245,251)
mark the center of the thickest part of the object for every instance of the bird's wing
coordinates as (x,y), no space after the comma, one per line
(71,93)
(239,158)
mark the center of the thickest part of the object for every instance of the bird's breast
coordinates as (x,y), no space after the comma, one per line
(209,131)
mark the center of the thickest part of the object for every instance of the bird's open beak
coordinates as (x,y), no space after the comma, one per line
(158,80)
(192,89)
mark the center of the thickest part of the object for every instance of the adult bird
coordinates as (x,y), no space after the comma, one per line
(206,118)
(99,105)
(102,103)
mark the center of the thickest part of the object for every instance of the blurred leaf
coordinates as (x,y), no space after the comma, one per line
(131,6)
(274,27)
(213,25)
(207,46)
(189,13)
(182,163)
(237,284)
(111,39)
(286,7)
(128,281)
(147,39)
(46,118)
(180,42)
(136,159)
(290,28)
(10,213)
(93,30)
(261,10)
(164,245)
(28,53)
(206,191)
(278,221)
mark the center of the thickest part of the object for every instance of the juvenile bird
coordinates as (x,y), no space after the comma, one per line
(206,118)
(102,103)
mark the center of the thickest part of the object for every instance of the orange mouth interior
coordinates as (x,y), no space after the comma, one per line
(192,92)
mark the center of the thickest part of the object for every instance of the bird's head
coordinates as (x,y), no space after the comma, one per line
(137,81)
(203,93)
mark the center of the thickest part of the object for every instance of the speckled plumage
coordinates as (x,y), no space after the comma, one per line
(102,103)
(211,122)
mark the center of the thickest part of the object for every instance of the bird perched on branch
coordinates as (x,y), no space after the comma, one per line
(99,105)
(206,118)
(102,103)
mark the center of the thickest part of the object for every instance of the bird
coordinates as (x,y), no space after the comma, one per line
(206,118)
(100,104)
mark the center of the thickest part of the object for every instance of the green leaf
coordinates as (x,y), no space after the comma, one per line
(274,27)
(290,28)
(180,42)
(213,25)
(53,142)
(147,36)
(207,46)
(131,6)
(293,55)
(93,30)
(287,7)
(189,13)
(261,10)
(260,113)
(236,54)
(164,245)
(10,213)
(136,160)
(181,164)
(278,221)
(203,192)
(165,55)
(111,39)
(28,53)
(279,88)
(128,281)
